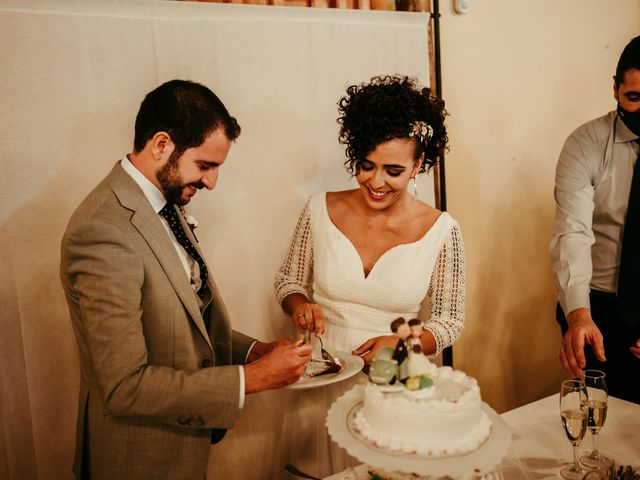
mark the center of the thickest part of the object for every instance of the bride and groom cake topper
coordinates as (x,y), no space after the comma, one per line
(406,360)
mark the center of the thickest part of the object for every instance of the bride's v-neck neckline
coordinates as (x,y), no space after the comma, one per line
(364,273)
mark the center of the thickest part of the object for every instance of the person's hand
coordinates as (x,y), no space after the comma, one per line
(635,349)
(369,348)
(308,316)
(281,366)
(582,330)
(260,349)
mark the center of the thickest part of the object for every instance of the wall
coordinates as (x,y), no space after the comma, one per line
(73,76)
(518,77)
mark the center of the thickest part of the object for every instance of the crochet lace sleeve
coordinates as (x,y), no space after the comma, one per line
(447,292)
(296,272)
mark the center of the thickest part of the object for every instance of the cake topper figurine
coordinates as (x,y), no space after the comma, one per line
(417,362)
(405,364)
(414,339)
(402,330)
(388,366)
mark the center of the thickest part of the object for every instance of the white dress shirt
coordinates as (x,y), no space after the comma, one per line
(157,201)
(593,181)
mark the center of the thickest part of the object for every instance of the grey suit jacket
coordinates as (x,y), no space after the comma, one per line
(156,370)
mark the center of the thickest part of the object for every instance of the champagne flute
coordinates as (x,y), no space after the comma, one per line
(595,382)
(574,421)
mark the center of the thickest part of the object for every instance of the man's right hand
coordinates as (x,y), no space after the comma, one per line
(582,330)
(281,366)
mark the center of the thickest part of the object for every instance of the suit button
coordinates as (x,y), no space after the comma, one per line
(206,363)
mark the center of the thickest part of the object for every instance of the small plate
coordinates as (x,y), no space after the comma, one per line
(352,364)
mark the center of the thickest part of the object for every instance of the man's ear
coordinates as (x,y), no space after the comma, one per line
(161,146)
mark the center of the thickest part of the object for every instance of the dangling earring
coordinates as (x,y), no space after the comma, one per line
(415,187)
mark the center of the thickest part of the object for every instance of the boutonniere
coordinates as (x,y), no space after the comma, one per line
(191,221)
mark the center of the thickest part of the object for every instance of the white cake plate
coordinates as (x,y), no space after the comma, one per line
(340,423)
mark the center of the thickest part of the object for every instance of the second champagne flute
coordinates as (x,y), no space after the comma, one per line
(595,383)
(574,422)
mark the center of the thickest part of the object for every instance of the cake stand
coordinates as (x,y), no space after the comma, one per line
(340,424)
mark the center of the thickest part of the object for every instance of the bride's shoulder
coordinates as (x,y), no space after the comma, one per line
(426,213)
(341,199)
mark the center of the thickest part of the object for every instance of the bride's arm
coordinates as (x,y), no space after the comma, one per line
(294,279)
(447,296)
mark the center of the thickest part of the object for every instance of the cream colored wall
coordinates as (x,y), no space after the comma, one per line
(518,77)
(72,78)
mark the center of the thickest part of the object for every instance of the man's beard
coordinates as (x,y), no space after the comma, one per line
(630,119)
(171,183)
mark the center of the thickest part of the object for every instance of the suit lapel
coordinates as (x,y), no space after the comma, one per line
(146,221)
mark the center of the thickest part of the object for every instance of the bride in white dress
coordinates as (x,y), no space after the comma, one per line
(361,258)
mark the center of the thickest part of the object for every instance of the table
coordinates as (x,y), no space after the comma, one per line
(539,447)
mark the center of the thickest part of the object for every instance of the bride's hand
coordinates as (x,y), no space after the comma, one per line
(369,348)
(308,316)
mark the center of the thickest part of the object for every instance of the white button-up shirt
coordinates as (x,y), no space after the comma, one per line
(593,181)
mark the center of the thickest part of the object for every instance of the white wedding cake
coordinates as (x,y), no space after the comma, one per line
(443,418)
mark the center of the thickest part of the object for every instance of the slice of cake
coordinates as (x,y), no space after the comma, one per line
(317,367)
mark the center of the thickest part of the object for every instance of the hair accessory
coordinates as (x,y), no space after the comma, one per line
(422,130)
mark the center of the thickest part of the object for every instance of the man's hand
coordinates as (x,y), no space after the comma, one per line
(635,349)
(260,349)
(581,330)
(281,366)
(369,348)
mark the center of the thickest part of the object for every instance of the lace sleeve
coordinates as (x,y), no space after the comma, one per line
(447,291)
(296,272)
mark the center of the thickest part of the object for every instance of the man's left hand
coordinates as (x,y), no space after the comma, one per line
(260,349)
(635,349)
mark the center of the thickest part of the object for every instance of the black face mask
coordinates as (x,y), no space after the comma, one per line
(630,119)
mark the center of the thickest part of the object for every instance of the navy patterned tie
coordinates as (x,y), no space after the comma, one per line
(629,274)
(169,212)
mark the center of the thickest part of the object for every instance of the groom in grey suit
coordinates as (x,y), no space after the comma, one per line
(162,372)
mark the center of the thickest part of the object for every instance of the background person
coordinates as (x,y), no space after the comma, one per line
(596,241)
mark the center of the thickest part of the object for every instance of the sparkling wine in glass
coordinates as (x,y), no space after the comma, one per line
(574,421)
(595,383)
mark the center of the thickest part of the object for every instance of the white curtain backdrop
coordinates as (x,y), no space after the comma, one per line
(72,75)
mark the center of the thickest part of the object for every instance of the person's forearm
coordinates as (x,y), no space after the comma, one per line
(291,301)
(428,342)
(579,314)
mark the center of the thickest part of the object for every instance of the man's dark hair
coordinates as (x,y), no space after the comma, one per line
(189,112)
(397,323)
(629,59)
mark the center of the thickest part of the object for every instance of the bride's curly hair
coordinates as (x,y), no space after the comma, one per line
(386,108)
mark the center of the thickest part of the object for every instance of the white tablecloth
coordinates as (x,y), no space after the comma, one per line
(540,447)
